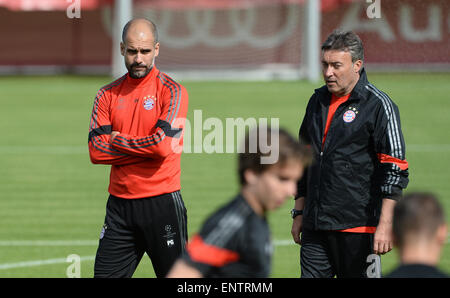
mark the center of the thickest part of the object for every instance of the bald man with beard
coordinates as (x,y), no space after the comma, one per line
(137,127)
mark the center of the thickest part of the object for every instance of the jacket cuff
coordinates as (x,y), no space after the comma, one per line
(395,196)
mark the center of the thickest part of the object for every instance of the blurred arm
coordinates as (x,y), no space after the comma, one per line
(181,269)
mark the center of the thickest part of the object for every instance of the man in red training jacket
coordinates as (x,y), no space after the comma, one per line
(137,127)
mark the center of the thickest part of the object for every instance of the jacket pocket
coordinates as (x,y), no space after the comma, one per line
(356,179)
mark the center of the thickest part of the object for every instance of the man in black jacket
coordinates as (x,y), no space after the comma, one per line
(345,200)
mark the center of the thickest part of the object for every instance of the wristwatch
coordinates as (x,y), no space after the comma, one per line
(295,212)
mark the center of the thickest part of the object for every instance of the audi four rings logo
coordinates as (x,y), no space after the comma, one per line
(199,25)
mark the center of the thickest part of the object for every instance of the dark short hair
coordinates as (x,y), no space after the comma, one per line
(346,41)
(289,150)
(152,27)
(417,214)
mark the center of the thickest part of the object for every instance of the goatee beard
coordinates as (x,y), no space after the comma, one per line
(138,75)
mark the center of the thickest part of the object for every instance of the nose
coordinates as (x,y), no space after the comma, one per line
(328,71)
(138,58)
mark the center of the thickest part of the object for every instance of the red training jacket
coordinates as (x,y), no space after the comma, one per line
(150,115)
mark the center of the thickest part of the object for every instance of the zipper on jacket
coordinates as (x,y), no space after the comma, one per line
(317,190)
(338,111)
(342,107)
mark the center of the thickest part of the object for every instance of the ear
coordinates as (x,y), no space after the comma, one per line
(122,48)
(250,177)
(357,65)
(441,234)
(157,49)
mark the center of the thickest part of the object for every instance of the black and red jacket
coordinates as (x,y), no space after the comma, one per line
(361,162)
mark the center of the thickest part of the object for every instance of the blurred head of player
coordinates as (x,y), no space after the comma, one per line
(139,47)
(342,60)
(266,186)
(419,228)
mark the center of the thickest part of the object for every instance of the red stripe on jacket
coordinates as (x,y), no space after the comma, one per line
(202,252)
(384,158)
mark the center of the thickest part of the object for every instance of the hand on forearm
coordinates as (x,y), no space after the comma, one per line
(113,135)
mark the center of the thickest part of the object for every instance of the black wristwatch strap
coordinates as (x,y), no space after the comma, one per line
(295,213)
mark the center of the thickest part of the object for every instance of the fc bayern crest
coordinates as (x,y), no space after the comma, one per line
(149,103)
(349,116)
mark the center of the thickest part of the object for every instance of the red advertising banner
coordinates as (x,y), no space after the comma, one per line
(394,32)
(405,32)
(33,5)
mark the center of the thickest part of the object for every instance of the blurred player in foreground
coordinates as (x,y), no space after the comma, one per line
(235,240)
(419,232)
(136,126)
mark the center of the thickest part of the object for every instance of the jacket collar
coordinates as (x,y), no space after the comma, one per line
(359,90)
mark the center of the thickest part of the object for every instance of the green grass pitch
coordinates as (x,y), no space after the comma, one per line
(49,190)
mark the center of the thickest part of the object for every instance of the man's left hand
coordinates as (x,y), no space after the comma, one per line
(383,239)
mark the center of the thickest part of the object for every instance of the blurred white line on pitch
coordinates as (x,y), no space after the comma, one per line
(78,149)
(427,148)
(285,242)
(33,149)
(87,242)
(41,262)
(49,243)
(18,243)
